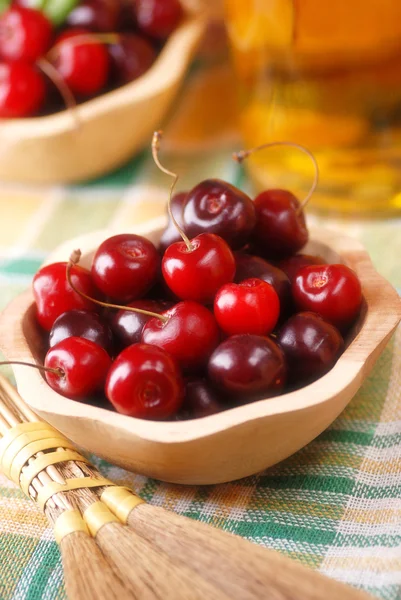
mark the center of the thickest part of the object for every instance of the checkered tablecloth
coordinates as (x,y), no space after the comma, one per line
(336,504)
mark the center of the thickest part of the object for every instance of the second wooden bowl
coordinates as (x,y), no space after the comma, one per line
(112,127)
(226,446)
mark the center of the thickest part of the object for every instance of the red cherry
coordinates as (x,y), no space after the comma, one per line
(128,326)
(81,323)
(291,265)
(158,18)
(280,224)
(83,367)
(145,382)
(198,273)
(332,291)
(311,346)
(251,306)
(190,333)
(22,90)
(25,34)
(96,15)
(131,57)
(200,399)
(215,206)
(54,296)
(125,267)
(248,266)
(84,66)
(250,365)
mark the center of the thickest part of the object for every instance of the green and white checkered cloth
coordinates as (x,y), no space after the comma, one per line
(335,505)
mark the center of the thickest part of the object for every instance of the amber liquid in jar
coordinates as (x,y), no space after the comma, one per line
(327,76)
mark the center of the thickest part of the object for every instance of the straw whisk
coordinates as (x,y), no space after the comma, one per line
(115,546)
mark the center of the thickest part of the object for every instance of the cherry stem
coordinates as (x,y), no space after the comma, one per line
(157,136)
(85,38)
(74,260)
(67,95)
(58,372)
(243,154)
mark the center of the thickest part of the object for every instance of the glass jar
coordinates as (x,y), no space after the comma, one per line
(327,76)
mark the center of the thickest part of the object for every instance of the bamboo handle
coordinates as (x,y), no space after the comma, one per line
(240,569)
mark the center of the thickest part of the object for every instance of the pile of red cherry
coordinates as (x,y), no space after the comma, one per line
(235,314)
(65,45)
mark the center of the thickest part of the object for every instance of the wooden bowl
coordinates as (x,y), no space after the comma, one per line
(225,446)
(112,128)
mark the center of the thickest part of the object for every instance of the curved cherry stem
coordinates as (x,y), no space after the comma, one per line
(74,260)
(157,136)
(68,97)
(58,372)
(243,154)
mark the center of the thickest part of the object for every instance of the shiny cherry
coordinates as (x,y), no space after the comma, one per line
(189,334)
(291,265)
(253,266)
(84,66)
(311,346)
(280,229)
(82,366)
(54,296)
(131,57)
(171,234)
(25,34)
(251,306)
(125,267)
(145,382)
(158,18)
(201,400)
(96,15)
(81,323)
(248,365)
(197,273)
(22,90)
(127,326)
(332,291)
(214,206)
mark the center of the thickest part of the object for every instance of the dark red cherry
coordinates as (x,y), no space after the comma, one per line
(248,266)
(201,400)
(280,224)
(291,265)
(198,273)
(25,34)
(332,291)
(251,306)
(190,334)
(170,235)
(131,57)
(22,90)
(84,65)
(125,267)
(158,18)
(54,296)
(96,15)
(311,346)
(248,366)
(81,323)
(215,206)
(83,367)
(127,325)
(145,382)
